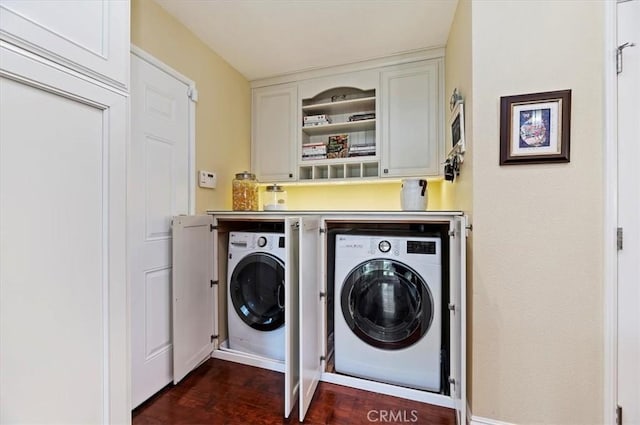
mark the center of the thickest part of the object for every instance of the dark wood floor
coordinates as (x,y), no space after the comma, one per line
(221,392)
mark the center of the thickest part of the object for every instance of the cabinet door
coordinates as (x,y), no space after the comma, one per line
(411,120)
(193,293)
(291,343)
(457,317)
(311,314)
(89,36)
(274,126)
(63,309)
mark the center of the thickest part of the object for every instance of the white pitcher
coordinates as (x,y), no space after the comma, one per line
(413,195)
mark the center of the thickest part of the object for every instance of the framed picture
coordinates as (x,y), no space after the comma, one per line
(535,128)
(456,125)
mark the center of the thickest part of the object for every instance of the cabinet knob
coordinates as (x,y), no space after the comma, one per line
(386,171)
(290,175)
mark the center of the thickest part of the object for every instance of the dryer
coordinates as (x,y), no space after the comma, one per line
(255,293)
(388,319)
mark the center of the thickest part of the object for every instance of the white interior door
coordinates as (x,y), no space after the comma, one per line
(159,178)
(629,213)
(310,312)
(291,313)
(194,309)
(63,294)
(457,317)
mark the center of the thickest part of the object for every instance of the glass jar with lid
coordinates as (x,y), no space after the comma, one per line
(245,192)
(275,198)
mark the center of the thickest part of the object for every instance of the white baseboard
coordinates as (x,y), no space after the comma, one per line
(477,420)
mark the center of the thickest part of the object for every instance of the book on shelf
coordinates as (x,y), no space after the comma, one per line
(362,150)
(362,117)
(337,146)
(314,148)
(310,157)
(316,120)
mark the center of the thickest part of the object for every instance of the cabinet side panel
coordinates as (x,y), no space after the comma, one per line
(53,259)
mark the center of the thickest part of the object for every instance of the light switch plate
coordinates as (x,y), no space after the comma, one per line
(207,179)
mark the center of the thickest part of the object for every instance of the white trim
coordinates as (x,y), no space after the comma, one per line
(411,56)
(477,420)
(193,96)
(388,389)
(224,353)
(63,69)
(610,221)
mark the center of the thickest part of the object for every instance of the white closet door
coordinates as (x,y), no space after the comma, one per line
(629,212)
(158,190)
(193,293)
(457,317)
(63,295)
(90,36)
(311,327)
(291,311)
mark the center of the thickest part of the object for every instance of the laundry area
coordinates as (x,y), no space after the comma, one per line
(370,301)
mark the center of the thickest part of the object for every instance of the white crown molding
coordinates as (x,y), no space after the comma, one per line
(412,56)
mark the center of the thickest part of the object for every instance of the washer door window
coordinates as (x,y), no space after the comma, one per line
(387,304)
(257,291)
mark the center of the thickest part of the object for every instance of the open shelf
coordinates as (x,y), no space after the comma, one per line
(339,171)
(348,126)
(342,106)
(339,104)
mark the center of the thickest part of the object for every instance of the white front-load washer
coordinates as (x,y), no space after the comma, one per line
(255,293)
(388,324)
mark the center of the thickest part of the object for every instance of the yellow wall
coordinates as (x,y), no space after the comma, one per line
(378,196)
(537,229)
(223,111)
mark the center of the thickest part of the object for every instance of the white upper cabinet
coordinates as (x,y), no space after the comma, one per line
(91,37)
(347,124)
(273,133)
(411,121)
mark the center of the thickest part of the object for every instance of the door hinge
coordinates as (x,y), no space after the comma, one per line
(212,227)
(214,282)
(322,358)
(452,381)
(321,230)
(452,233)
(618,415)
(323,294)
(619,55)
(214,337)
(619,238)
(192,93)
(452,307)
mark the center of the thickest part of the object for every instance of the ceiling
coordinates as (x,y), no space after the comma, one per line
(266,38)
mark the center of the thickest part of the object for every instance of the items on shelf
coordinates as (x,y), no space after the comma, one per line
(313,120)
(314,151)
(362,150)
(337,146)
(362,117)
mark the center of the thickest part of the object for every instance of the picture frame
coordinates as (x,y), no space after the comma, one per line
(456,126)
(535,128)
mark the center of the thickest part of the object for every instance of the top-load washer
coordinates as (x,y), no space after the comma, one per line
(388,309)
(255,295)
